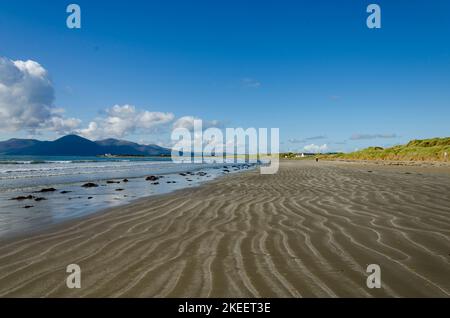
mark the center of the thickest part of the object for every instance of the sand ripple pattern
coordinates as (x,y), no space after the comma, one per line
(308,231)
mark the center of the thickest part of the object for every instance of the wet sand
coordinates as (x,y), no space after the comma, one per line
(309,231)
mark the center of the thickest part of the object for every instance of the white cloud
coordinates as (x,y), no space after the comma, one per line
(27,99)
(372,136)
(305,140)
(250,82)
(188,123)
(316,148)
(122,120)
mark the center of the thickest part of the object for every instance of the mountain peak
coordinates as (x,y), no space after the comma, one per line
(72,138)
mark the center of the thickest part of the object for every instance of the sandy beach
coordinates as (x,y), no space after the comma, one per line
(311,230)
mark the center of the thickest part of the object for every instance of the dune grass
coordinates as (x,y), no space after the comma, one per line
(416,150)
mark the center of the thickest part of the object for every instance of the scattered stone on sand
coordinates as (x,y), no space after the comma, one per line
(152,178)
(125,180)
(28,206)
(155,183)
(189,180)
(90,185)
(119,189)
(46,190)
(90,198)
(64,192)
(226,170)
(201,174)
(39,199)
(21,198)
(111,181)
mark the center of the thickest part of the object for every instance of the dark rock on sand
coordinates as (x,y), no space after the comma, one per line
(28,206)
(152,178)
(90,198)
(155,183)
(125,180)
(119,189)
(64,192)
(21,198)
(110,181)
(183,174)
(39,199)
(90,185)
(46,190)
(226,170)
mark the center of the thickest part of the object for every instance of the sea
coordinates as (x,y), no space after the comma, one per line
(27,176)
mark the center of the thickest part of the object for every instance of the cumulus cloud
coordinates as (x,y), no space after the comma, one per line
(188,123)
(122,120)
(372,136)
(27,99)
(316,148)
(27,103)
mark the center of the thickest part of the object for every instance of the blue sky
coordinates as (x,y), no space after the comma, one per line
(311,68)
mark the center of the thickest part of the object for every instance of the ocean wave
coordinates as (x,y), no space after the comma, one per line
(30,162)
(22,171)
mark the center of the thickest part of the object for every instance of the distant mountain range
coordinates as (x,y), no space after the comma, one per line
(73,145)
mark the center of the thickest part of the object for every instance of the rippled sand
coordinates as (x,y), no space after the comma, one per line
(309,231)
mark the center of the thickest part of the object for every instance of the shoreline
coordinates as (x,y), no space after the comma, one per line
(35,207)
(132,204)
(308,231)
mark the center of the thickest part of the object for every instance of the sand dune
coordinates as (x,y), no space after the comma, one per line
(308,231)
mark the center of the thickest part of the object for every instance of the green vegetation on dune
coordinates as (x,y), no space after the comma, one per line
(436,149)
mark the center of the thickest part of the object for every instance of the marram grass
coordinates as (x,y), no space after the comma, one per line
(436,149)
